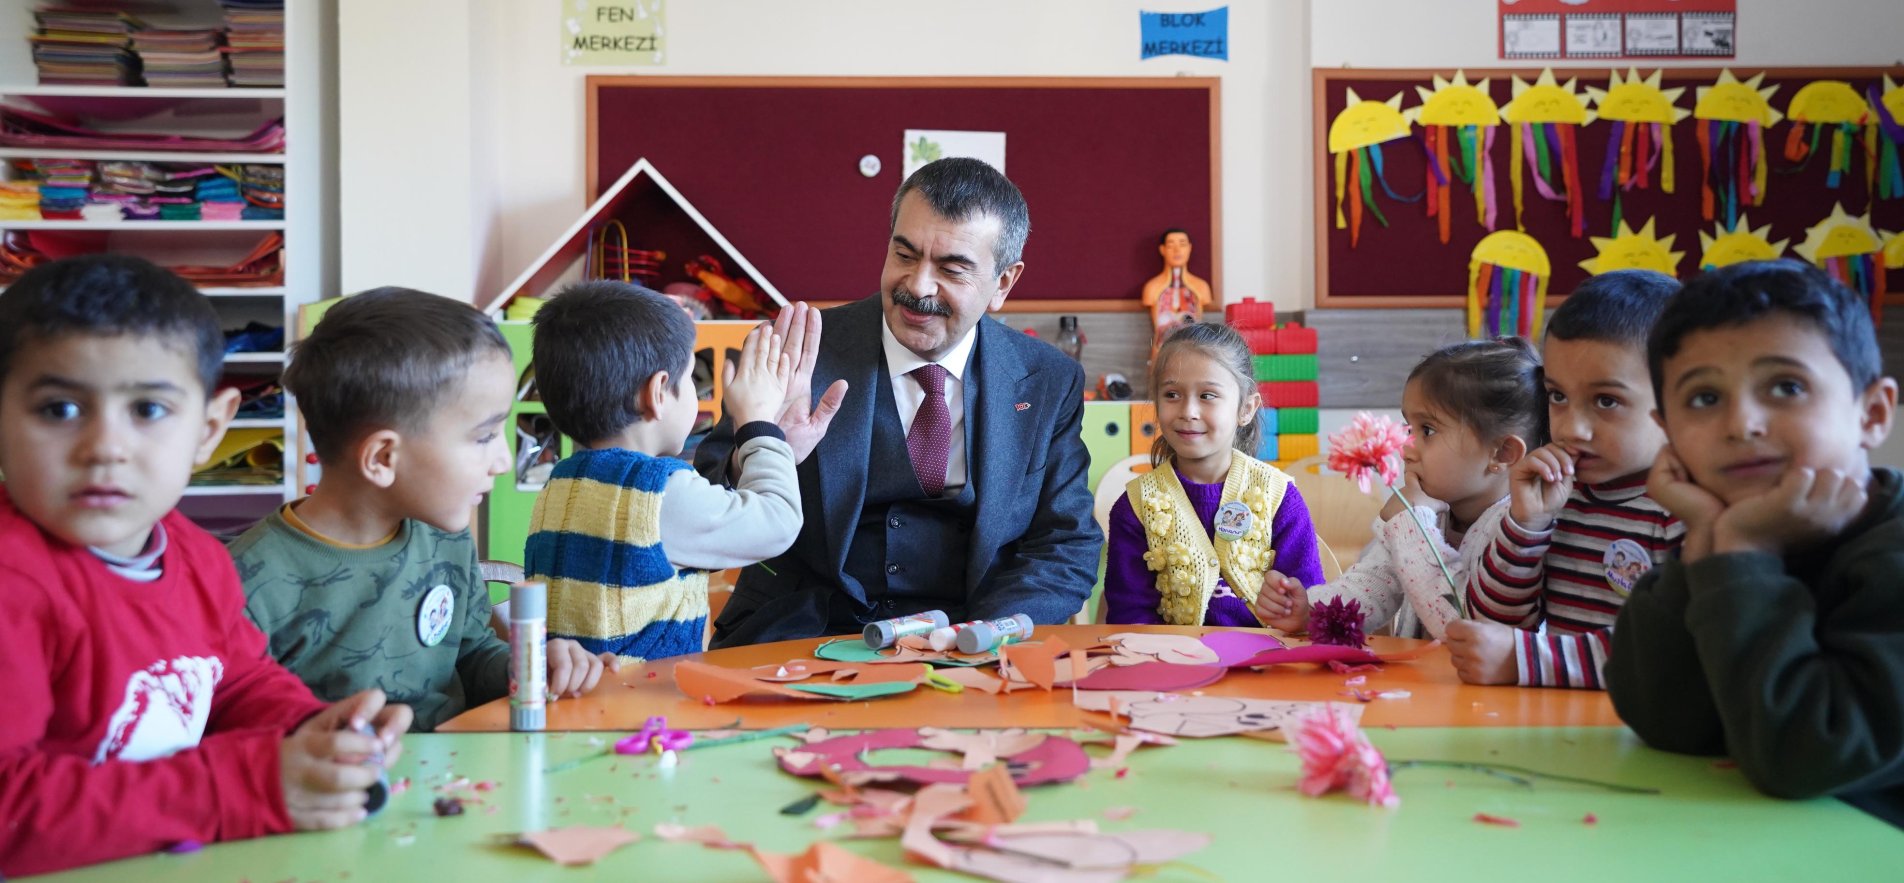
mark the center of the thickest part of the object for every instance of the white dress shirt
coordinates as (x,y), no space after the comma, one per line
(908,395)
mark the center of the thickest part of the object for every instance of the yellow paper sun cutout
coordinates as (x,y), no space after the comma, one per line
(1544,101)
(1455,102)
(1363,123)
(1729,100)
(1629,250)
(1828,101)
(1723,249)
(1635,100)
(1839,235)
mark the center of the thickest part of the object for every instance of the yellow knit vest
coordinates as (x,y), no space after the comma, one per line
(1180,550)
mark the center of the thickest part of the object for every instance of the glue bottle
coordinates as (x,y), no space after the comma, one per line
(887,632)
(984,637)
(947,638)
(528,664)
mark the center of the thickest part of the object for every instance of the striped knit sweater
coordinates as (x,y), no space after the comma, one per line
(1572,579)
(595,538)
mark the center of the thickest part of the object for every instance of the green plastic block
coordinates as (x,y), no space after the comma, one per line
(1298,421)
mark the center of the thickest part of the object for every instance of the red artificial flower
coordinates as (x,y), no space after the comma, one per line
(1337,622)
(1336,755)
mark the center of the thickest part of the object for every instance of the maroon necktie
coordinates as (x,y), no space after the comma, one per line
(930,439)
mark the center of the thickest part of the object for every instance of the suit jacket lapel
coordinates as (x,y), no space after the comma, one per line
(998,442)
(841,462)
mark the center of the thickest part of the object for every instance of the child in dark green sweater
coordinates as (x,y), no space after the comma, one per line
(1778,636)
(372,580)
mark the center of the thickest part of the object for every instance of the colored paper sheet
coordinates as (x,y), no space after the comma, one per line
(1234,647)
(717,684)
(1051,759)
(855,650)
(1196,34)
(856,692)
(1152,676)
(825,862)
(996,799)
(1177,649)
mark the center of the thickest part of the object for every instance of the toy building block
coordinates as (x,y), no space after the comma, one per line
(1285,367)
(1143,423)
(1299,421)
(1290,394)
(1248,313)
(1296,447)
(1261,341)
(1295,339)
(1106,432)
(1270,418)
(1268,448)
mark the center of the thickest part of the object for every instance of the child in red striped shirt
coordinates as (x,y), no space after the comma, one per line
(1580,528)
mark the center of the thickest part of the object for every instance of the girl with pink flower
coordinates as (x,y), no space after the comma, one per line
(1211,535)
(1474,409)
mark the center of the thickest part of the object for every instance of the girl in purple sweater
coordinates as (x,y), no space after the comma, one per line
(1192,540)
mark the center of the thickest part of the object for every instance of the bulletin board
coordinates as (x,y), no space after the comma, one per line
(1405,264)
(1105,164)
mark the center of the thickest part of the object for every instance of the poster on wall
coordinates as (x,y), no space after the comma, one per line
(1597,29)
(1196,34)
(926,145)
(613,33)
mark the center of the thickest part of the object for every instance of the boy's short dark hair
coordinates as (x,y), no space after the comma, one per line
(383,359)
(1745,292)
(109,295)
(1614,307)
(596,343)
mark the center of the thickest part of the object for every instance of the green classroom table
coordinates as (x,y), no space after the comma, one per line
(1707,823)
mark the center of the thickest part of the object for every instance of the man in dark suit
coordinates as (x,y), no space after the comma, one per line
(953,476)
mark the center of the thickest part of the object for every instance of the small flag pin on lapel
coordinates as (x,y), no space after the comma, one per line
(1022,406)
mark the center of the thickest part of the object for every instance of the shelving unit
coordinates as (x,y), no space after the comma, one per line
(309,159)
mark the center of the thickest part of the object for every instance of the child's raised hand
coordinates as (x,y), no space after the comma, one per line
(1538,486)
(759,385)
(1804,507)
(573,670)
(1483,652)
(1670,485)
(322,765)
(1282,603)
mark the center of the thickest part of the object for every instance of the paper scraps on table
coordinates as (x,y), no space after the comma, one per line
(1037,759)
(825,862)
(1132,648)
(849,680)
(1176,714)
(972,678)
(1035,662)
(911,648)
(1502,821)
(1245,650)
(1152,676)
(1051,852)
(578,845)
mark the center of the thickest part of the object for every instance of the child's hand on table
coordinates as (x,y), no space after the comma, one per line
(1282,604)
(322,764)
(573,670)
(1483,652)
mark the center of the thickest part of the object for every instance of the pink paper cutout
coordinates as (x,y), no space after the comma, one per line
(1232,647)
(580,845)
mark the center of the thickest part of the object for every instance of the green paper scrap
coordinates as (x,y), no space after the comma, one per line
(802,806)
(855,650)
(856,691)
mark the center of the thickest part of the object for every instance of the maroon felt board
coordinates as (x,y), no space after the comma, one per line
(773,163)
(1405,263)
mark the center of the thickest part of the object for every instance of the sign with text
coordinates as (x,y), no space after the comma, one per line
(1196,34)
(628,33)
(1560,29)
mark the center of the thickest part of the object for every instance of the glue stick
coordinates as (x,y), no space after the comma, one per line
(887,632)
(948,637)
(984,637)
(528,664)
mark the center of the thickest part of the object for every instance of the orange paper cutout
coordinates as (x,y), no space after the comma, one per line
(826,862)
(728,684)
(1036,661)
(578,846)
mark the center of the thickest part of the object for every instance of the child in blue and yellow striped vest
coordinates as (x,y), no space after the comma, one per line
(625,532)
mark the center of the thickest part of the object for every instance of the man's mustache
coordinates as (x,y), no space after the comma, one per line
(923,306)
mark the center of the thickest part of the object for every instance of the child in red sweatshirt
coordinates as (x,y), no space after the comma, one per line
(143,711)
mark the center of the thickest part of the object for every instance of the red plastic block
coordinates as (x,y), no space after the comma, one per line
(1247,313)
(1295,339)
(1291,394)
(1262,341)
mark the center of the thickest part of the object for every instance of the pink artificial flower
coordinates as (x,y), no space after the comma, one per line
(1336,755)
(1370,444)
